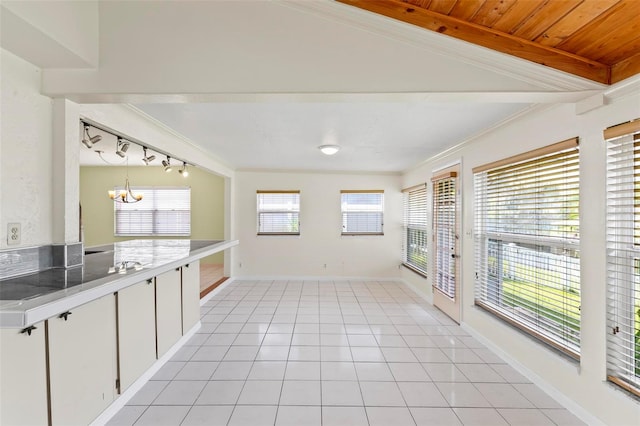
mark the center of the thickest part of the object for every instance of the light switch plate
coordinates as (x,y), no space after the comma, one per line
(14,234)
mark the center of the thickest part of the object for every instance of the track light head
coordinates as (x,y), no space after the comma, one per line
(122,148)
(167,164)
(89,140)
(147,158)
(183,171)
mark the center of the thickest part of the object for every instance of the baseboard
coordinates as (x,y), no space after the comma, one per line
(212,287)
(554,393)
(215,291)
(565,401)
(124,397)
(419,292)
(313,278)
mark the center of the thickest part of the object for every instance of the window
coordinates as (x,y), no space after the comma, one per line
(362,212)
(527,243)
(278,212)
(162,211)
(414,248)
(445,229)
(623,255)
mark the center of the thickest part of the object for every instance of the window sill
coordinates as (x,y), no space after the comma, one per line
(154,235)
(415,270)
(277,234)
(362,234)
(533,335)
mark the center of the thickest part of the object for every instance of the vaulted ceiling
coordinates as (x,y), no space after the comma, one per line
(595,39)
(261,84)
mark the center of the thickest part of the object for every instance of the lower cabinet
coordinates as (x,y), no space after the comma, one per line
(136,331)
(190,295)
(23,376)
(168,310)
(91,348)
(82,362)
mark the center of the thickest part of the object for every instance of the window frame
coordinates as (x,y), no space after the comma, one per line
(418,194)
(260,212)
(147,191)
(343,212)
(445,218)
(623,256)
(556,328)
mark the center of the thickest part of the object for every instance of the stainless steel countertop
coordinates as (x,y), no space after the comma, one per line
(28,299)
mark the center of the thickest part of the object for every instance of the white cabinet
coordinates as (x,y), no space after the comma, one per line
(23,376)
(82,362)
(190,295)
(136,331)
(168,310)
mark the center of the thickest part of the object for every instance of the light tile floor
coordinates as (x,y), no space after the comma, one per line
(335,353)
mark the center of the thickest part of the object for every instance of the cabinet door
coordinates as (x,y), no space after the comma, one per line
(168,310)
(82,362)
(23,377)
(136,331)
(190,295)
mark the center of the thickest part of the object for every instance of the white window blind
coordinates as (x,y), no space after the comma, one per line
(414,248)
(445,228)
(623,255)
(162,211)
(527,243)
(278,212)
(362,212)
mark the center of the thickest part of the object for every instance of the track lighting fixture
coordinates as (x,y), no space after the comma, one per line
(147,158)
(167,164)
(183,171)
(122,147)
(123,144)
(89,140)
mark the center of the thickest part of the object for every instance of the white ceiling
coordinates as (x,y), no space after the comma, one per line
(373,136)
(260,84)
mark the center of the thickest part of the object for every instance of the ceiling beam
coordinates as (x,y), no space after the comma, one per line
(487,37)
(625,68)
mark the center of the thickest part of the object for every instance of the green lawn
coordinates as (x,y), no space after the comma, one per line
(542,300)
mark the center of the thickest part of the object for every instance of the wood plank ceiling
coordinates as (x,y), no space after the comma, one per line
(595,39)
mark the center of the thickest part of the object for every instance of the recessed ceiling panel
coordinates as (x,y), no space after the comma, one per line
(373,136)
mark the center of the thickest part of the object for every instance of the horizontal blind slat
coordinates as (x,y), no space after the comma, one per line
(278,212)
(362,211)
(623,256)
(415,225)
(162,211)
(526,244)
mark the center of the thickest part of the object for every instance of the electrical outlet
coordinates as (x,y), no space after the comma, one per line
(14,234)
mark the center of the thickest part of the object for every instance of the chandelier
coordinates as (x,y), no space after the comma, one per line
(126,195)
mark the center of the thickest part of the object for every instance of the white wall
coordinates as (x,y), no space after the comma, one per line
(25,153)
(584,382)
(320,241)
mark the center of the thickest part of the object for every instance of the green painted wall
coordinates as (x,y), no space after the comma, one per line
(207,201)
